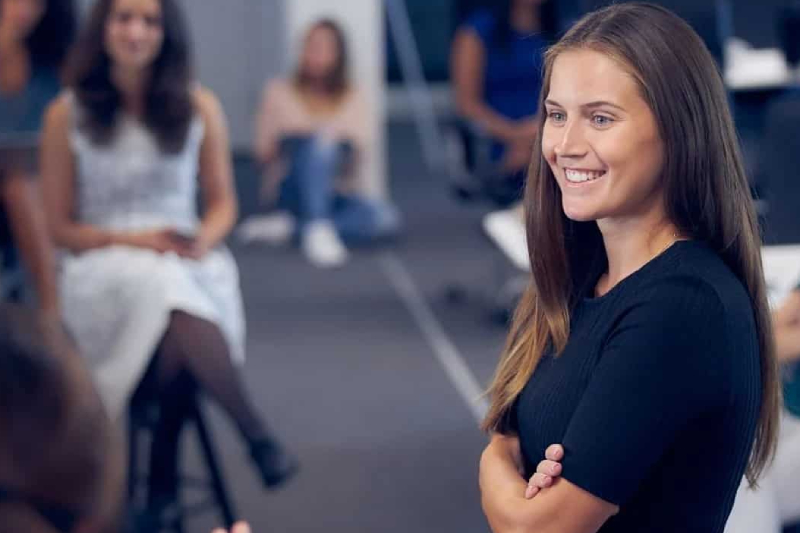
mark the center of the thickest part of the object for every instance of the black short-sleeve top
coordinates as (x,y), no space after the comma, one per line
(656,396)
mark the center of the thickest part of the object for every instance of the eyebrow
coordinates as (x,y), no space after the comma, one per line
(590,105)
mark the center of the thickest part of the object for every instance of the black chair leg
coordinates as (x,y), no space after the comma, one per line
(133,458)
(214,469)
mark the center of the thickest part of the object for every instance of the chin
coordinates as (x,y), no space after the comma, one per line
(579,215)
(130,61)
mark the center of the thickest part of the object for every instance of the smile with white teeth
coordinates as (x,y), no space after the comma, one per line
(581,176)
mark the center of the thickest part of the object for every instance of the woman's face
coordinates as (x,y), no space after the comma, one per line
(134,33)
(320,54)
(21,16)
(601,140)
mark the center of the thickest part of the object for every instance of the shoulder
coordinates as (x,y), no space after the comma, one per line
(208,109)
(277,88)
(58,113)
(206,102)
(482,22)
(698,274)
(695,303)
(355,96)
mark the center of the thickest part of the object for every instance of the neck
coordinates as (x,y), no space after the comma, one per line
(631,244)
(131,84)
(314,87)
(524,19)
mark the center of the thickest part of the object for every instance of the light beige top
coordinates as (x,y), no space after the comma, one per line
(283,113)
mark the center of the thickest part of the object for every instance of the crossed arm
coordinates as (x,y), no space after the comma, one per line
(562,507)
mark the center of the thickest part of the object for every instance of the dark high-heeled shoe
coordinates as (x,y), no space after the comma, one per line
(275,464)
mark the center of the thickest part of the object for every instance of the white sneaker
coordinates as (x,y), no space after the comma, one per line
(275,229)
(322,246)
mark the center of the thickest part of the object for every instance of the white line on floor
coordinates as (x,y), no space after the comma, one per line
(446,352)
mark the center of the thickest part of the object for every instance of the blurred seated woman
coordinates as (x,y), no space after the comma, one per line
(60,461)
(34,34)
(774,504)
(121,154)
(312,136)
(496,68)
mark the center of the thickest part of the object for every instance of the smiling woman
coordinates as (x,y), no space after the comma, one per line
(644,340)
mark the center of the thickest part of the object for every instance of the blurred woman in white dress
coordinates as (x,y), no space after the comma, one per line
(143,273)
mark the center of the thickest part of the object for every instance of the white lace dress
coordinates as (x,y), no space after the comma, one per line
(117,300)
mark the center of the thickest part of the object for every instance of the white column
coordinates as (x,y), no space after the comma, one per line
(235,49)
(362,21)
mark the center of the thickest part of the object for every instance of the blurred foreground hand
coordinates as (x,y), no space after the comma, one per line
(238,527)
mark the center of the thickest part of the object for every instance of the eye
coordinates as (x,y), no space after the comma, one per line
(601,120)
(153,22)
(556,116)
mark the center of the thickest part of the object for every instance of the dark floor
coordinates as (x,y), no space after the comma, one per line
(346,376)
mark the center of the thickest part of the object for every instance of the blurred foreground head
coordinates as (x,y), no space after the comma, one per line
(60,463)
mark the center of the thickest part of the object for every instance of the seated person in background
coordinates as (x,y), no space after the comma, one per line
(144,272)
(312,136)
(496,68)
(61,465)
(775,503)
(34,34)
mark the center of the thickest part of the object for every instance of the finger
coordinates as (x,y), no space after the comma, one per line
(554,452)
(550,468)
(240,527)
(218,530)
(541,480)
(531,491)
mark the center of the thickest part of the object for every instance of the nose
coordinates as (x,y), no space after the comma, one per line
(573,142)
(136,28)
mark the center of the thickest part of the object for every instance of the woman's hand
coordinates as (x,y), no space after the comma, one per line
(500,479)
(546,472)
(517,155)
(163,241)
(526,131)
(238,527)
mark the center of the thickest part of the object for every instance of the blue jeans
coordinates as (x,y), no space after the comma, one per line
(308,193)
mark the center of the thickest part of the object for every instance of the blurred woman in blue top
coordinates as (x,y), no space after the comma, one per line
(497,75)
(34,36)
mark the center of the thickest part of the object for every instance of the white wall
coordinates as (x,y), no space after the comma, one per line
(363,23)
(236,48)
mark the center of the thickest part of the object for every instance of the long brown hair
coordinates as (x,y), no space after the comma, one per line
(336,82)
(706,193)
(168,101)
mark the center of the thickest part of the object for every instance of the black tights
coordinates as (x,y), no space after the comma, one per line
(192,355)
